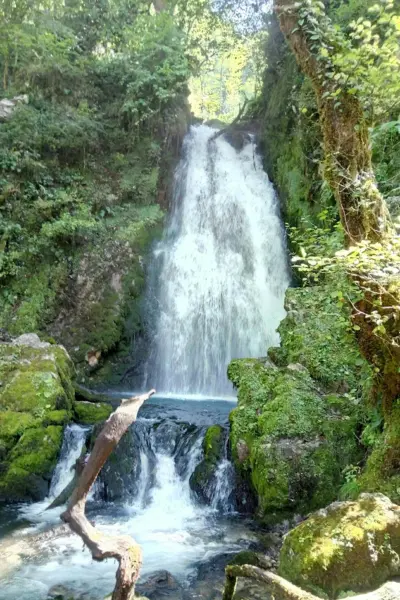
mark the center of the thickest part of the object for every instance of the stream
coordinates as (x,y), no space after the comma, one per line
(215,292)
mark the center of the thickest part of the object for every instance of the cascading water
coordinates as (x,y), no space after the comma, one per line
(219,274)
(73,442)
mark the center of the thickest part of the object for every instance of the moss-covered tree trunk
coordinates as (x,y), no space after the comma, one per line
(348,167)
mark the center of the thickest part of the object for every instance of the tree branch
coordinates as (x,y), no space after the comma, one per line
(284,590)
(123,548)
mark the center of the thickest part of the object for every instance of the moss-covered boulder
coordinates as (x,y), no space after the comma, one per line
(36,397)
(213,449)
(291,439)
(89,413)
(348,547)
(299,411)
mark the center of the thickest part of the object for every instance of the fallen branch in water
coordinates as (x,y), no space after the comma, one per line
(123,548)
(282,589)
(231,125)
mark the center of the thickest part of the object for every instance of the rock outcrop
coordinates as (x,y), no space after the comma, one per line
(8,105)
(295,427)
(36,400)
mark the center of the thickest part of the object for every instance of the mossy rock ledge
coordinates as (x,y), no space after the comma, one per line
(347,547)
(90,413)
(36,399)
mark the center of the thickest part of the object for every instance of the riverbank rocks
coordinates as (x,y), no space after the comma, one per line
(36,398)
(213,449)
(159,585)
(347,547)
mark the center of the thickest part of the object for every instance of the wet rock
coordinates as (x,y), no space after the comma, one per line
(236,138)
(61,592)
(161,584)
(349,546)
(214,450)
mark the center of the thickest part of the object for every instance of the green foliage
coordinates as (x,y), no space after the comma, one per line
(361,61)
(386,157)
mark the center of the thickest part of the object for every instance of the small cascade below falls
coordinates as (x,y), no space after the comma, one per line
(223,489)
(72,446)
(148,480)
(218,277)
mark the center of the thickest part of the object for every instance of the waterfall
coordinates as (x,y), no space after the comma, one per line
(73,442)
(223,488)
(218,276)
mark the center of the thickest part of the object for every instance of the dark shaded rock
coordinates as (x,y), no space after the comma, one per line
(236,138)
(161,584)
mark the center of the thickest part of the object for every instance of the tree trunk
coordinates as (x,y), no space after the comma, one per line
(123,548)
(281,589)
(348,167)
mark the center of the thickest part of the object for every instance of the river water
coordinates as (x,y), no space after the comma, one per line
(216,287)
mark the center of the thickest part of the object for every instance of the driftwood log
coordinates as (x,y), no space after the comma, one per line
(281,589)
(123,548)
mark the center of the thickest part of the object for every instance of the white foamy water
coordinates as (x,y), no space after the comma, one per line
(73,442)
(219,274)
(174,531)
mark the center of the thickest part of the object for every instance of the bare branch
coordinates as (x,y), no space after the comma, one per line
(123,548)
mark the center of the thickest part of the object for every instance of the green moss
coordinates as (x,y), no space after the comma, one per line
(13,424)
(381,473)
(90,413)
(213,443)
(213,449)
(298,439)
(30,463)
(57,417)
(37,450)
(35,402)
(35,379)
(317,334)
(351,546)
